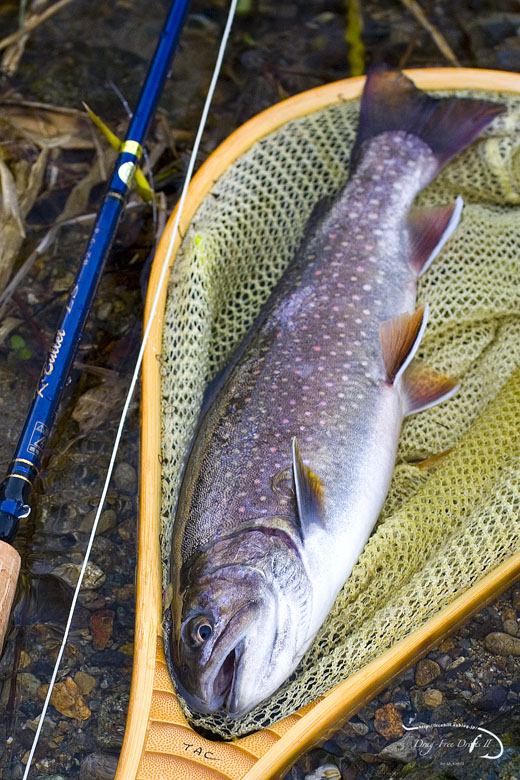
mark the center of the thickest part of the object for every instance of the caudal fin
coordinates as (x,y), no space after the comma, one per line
(391,101)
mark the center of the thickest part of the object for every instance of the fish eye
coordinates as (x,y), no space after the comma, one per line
(197,630)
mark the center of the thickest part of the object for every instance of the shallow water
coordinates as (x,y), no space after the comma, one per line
(91,52)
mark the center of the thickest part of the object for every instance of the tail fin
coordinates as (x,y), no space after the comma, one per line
(391,101)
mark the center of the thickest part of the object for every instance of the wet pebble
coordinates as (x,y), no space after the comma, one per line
(511,626)
(388,722)
(85,682)
(111,721)
(402,701)
(403,750)
(69,574)
(101,626)
(106,522)
(324,772)
(112,658)
(28,683)
(351,729)
(426,672)
(432,698)
(125,477)
(502,644)
(492,700)
(98,766)
(67,699)
(444,660)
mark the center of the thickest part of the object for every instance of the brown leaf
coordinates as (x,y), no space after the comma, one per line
(96,405)
(48,125)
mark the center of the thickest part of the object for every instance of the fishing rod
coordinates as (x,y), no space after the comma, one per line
(26,462)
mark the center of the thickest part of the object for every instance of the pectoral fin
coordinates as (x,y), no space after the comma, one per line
(309,492)
(429,230)
(424,387)
(400,338)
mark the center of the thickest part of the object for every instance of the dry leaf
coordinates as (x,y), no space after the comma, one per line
(47,125)
(20,185)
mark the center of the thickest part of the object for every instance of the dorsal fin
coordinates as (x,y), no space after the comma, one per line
(309,492)
(400,338)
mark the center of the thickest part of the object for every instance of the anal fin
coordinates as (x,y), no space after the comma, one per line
(309,492)
(400,337)
(429,230)
(424,387)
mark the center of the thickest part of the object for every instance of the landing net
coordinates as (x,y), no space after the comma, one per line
(445,523)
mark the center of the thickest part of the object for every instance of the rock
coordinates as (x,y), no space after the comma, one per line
(98,766)
(492,699)
(403,750)
(104,310)
(125,530)
(369,758)
(114,658)
(324,772)
(125,477)
(106,522)
(85,682)
(28,683)
(502,644)
(25,659)
(125,592)
(69,574)
(432,697)
(461,663)
(416,698)
(515,599)
(402,701)
(101,626)
(444,660)
(355,729)
(511,626)
(111,721)
(426,672)
(388,722)
(446,645)
(67,699)
(91,600)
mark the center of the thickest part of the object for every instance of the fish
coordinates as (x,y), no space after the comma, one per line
(294,450)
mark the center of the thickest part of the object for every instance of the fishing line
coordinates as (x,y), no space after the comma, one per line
(135,376)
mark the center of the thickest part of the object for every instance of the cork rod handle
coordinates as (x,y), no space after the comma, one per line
(9,570)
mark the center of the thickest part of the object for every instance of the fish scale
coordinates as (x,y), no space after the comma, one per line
(293,457)
(303,388)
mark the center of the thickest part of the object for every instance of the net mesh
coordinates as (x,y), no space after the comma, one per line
(447,521)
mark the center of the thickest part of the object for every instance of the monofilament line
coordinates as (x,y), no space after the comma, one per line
(137,368)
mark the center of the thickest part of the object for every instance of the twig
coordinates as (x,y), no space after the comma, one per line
(32,22)
(439,39)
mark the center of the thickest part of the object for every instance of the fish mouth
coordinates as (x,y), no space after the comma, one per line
(221,685)
(225,679)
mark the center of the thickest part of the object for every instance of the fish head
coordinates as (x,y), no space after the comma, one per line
(236,628)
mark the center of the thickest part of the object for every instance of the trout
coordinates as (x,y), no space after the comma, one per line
(293,456)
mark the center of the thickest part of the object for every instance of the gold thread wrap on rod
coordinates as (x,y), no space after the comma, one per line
(132,147)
